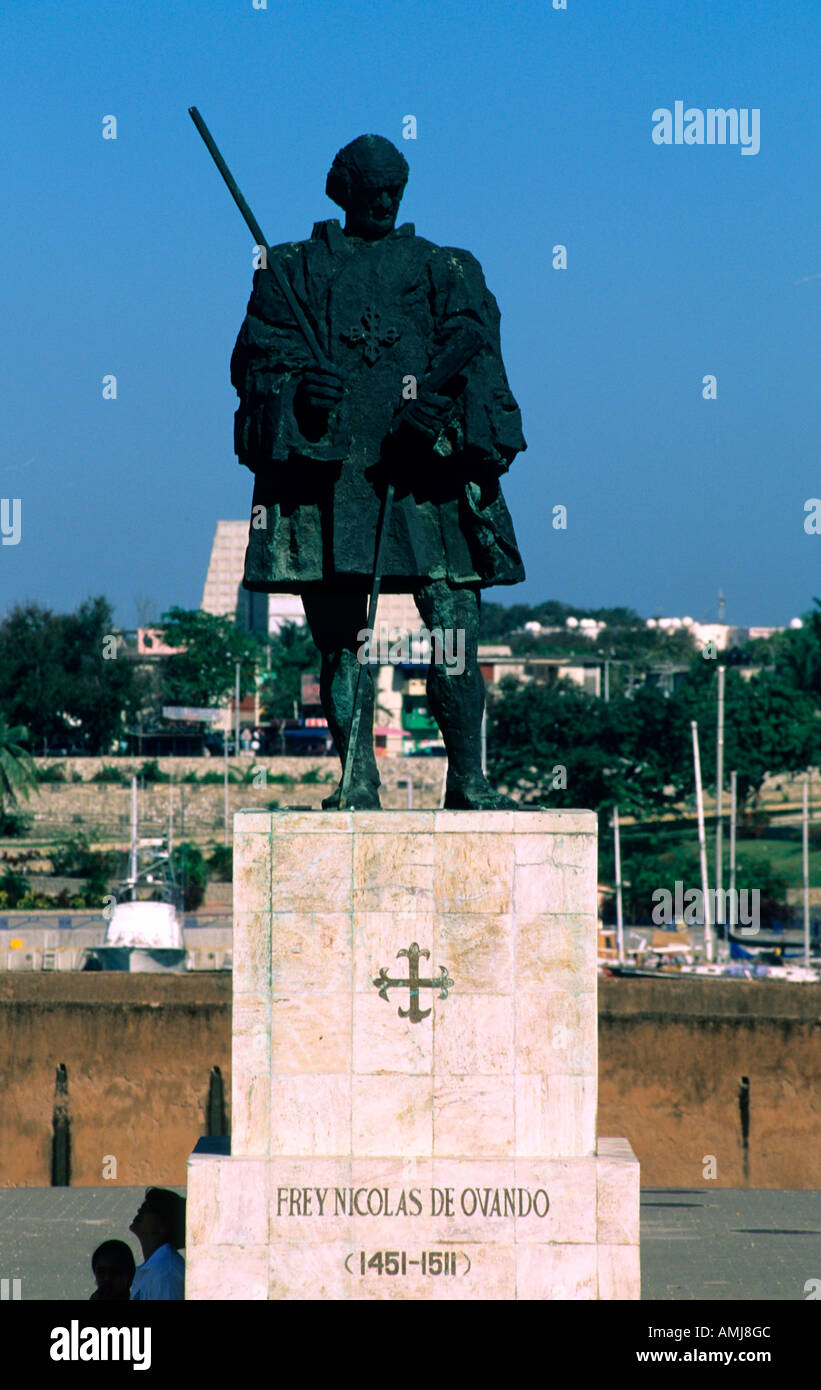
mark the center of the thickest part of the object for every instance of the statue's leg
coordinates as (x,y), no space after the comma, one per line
(456,692)
(335,619)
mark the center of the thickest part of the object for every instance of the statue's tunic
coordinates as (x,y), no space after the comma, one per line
(381,311)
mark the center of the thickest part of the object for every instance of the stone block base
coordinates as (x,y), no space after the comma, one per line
(336,1228)
(502,1063)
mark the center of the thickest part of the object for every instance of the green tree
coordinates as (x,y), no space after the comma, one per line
(643,874)
(58,674)
(100,689)
(191,873)
(796,653)
(498,620)
(203,671)
(651,862)
(637,752)
(73,857)
(769,727)
(640,646)
(18,774)
(31,678)
(615,753)
(793,655)
(221,863)
(14,887)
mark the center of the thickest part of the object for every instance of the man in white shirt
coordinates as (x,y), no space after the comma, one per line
(160,1228)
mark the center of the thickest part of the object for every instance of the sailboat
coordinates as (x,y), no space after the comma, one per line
(143,933)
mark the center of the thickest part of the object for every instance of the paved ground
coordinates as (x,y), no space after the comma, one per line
(697,1243)
(47,1235)
(729,1243)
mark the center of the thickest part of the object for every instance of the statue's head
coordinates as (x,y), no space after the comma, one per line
(367,179)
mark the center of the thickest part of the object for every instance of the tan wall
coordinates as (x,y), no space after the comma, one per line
(671,1057)
(139,1051)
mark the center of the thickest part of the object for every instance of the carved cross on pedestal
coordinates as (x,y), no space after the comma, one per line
(442,982)
(370,337)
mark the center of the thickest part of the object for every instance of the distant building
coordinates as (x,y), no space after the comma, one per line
(496,662)
(151,642)
(723,635)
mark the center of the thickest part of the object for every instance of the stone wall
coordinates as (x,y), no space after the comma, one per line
(673,1059)
(103,809)
(139,1051)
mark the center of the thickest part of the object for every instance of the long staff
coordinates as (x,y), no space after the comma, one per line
(256,232)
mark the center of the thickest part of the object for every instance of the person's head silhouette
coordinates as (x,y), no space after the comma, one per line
(112,1265)
(160,1221)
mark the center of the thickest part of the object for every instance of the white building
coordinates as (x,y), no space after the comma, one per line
(722,635)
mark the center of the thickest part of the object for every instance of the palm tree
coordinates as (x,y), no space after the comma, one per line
(18,774)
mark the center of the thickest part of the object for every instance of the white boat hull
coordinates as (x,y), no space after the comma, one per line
(138,959)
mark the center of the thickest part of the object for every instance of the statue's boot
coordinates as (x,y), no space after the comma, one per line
(474,793)
(362,796)
(337,683)
(457,703)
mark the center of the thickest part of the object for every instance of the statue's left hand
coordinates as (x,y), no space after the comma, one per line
(321,388)
(427,414)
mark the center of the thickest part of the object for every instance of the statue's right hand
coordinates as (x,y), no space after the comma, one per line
(321,388)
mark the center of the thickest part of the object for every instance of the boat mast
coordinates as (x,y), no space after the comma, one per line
(702,846)
(133,866)
(805,855)
(619,908)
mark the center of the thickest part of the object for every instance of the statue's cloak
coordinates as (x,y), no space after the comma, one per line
(382,311)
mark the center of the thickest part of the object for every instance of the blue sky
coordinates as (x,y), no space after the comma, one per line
(534,129)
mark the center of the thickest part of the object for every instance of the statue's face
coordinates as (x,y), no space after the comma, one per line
(371,212)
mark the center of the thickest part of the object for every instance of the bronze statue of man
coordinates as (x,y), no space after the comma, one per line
(383,303)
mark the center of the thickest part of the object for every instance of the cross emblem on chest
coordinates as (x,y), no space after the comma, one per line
(369,335)
(413,983)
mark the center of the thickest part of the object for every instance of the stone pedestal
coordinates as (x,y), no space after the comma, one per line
(414,1067)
